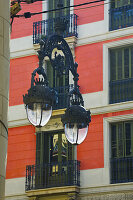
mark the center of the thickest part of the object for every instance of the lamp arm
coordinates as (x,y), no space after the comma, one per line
(40,71)
(47,45)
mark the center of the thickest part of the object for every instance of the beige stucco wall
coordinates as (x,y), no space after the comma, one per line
(4,87)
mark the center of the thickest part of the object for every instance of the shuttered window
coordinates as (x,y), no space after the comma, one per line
(122,152)
(52,15)
(120,3)
(121,74)
(53,5)
(121,63)
(122,139)
(121,14)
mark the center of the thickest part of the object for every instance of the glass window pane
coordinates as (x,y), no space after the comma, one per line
(120,141)
(126,63)
(119,63)
(113,141)
(113,65)
(54,148)
(132,62)
(64,147)
(128,138)
(120,3)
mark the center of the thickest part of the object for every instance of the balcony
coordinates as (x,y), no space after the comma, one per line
(62,94)
(46,27)
(121,17)
(121,90)
(52,175)
(122,170)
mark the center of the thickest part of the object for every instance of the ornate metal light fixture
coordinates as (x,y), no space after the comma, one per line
(76,119)
(40,97)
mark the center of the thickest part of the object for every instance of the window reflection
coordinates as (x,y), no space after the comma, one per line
(58,150)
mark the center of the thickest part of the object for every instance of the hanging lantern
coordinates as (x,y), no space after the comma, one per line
(38,103)
(76,121)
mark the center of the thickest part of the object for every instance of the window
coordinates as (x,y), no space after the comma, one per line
(52,147)
(53,5)
(53,15)
(121,14)
(122,152)
(55,166)
(121,74)
(120,3)
(46,27)
(54,160)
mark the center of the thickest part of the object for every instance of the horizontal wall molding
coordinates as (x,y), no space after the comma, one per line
(112,108)
(17,114)
(109,35)
(122,187)
(94,177)
(15,187)
(23,46)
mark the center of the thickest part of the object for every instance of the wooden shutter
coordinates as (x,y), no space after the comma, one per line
(112,65)
(126,62)
(53,5)
(42,148)
(122,139)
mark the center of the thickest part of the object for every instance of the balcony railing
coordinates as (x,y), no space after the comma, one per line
(62,94)
(121,17)
(121,90)
(46,27)
(122,170)
(53,175)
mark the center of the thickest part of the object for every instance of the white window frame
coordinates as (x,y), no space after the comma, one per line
(106,63)
(106,134)
(112,107)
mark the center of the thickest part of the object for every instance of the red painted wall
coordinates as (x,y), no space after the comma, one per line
(21,26)
(20,78)
(91,152)
(89,13)
(90,67)
(21,150)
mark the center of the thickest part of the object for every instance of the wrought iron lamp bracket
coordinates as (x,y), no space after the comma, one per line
(39,71)
(61,59)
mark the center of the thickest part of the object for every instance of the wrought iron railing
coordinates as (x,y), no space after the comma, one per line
(121,17)
(46,27)
(62,96)
(121,90)
(53,175)
(122,170)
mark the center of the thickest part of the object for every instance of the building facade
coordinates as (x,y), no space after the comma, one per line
(41,164)
(4,89)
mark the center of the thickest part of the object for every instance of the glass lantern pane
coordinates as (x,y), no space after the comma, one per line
(74,134)
(46,114)
(71,133)
(34,113)
(82,133)
(38,113)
